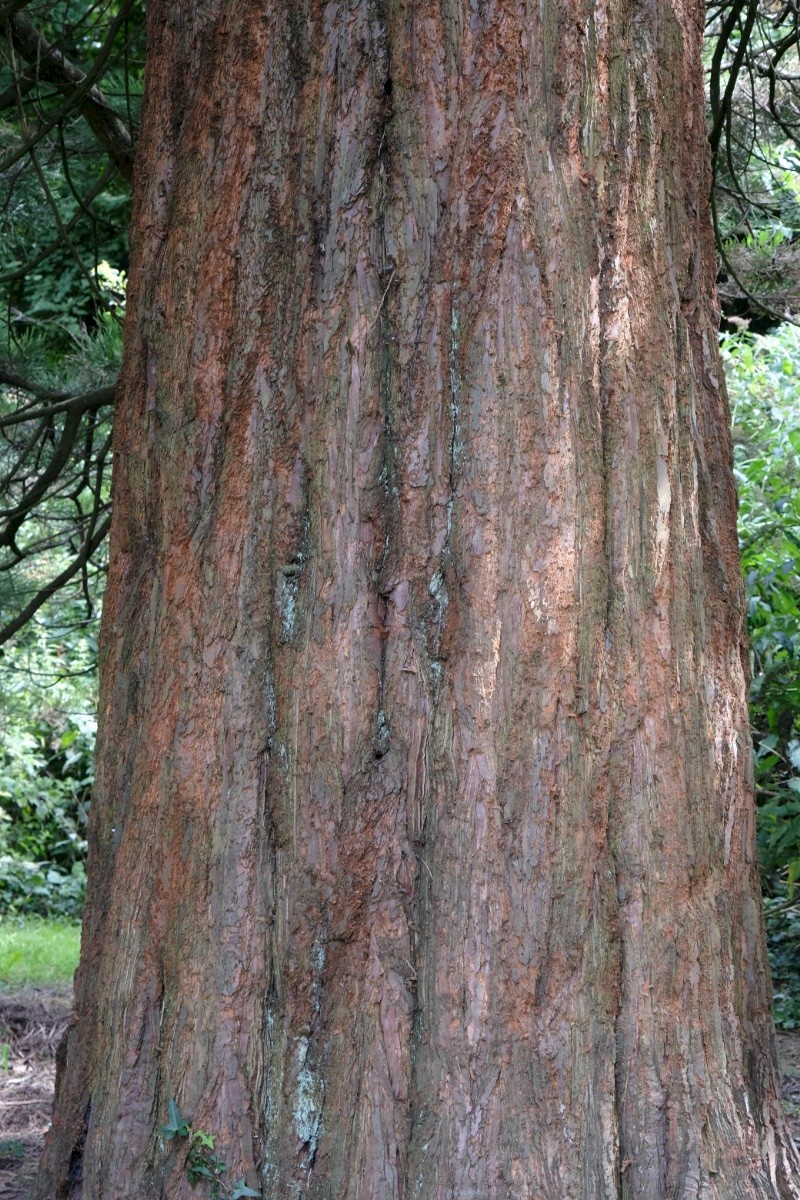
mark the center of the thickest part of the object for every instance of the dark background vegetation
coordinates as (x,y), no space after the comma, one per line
(70,89)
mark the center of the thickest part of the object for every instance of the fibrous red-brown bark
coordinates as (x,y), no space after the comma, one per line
(422,856)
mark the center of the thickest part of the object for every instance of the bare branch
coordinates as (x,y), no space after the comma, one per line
(93,541)
(52,66)
(10,379)
(78,93)
(98,398)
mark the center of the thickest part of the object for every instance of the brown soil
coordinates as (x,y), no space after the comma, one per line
(31,1024)
(789,1051)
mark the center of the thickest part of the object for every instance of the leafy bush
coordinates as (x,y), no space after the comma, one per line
(39,889)
(47,699)
(45,782)
(763,376)
(783,932)
(764,380)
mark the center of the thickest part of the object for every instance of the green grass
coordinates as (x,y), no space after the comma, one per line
(38,951)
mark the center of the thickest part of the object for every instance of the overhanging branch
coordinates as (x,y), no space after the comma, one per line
(52,66)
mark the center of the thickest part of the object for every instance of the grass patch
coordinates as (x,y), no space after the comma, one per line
(34,951)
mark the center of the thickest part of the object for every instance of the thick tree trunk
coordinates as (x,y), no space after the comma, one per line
(422,856)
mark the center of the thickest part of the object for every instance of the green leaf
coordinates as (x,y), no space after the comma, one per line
(12,1148)
(175,1126)
(198,1170)
(241,1189)
(792,875)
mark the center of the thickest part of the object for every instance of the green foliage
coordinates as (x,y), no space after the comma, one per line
(47,731)
(65,167)
(759,230)
(202,1164)
(751,60)
(30,887)
(65,159)
(45,782)
(66,200)
(763,376)
(764,381)
(783,933)
(36,952)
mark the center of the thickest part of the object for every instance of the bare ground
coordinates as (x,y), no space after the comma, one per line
(31,1025)
(789,1053)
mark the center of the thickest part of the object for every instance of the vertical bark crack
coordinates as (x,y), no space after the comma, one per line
(73,1189)
(389,501)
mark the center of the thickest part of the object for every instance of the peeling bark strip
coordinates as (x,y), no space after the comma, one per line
(422,855)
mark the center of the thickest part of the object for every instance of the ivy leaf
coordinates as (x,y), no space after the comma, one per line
(241,1189)
(175,1124)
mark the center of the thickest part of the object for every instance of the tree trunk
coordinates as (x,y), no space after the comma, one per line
(422,856)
